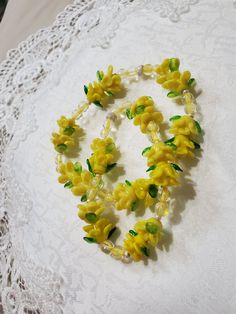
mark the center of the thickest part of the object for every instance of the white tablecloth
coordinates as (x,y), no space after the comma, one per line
(24,17)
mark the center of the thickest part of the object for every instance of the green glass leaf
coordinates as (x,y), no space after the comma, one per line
(62,148)
(83,198)
(68,131)
(91,217)
(172,145)
(134,205)
(86,89)
(174,64)
(99,75)
(146,150)
(173,94)
(111,166)
(175,118)
(191,82)
(129,114)
(199,129)
(109,93)
(140,109)
(90,167)
(128,182)
(145,251)
(151,228)
(110,147)
(78,167)
(133,233)
(68,185)
(170,140)
(151,168)
(98,104)
(153,190)
(176,167)
(111,232)
(89,240)
(196,145)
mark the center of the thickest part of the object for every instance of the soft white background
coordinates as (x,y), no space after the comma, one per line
(196,272)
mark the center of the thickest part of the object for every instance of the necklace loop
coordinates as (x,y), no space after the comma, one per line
(163,157)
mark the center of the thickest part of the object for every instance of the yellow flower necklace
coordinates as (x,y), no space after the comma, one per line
(162,158)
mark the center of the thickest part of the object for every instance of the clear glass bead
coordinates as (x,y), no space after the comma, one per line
(133,75)
(189,102)
(106,246)
(83,120)
(140,70)
(92,194)
(112,116)
(147,70)
(162,209)
(117,252)
(126,258)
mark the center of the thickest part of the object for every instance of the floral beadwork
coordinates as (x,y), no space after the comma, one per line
(153,190)
(108,85)
(65,137)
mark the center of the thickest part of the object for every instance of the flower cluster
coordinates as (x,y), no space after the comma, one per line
(101,160)
(159,152)
(171,78)
(127,195)
(146,234)
(65,137)
(99,231)
(161,157)
(184,128)
(165,174)
(108,84)
(90,211)
(74,178)
(145,115)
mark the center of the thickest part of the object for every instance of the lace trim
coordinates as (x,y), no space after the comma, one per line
(26,287)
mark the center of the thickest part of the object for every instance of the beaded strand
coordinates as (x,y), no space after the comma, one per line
(162,157)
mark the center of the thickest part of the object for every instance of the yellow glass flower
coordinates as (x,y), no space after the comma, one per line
(143,189)
(124,196)
(110,82)
(184,146)
(61,142)
(95,92)
(170,77)
(147,118)
(78,180)
(185,125)
(163,68)
(135,246)
(146,233)
(99,231)
(106,145)
(141,105)
(164,174)
(90,211)
(150,230)
(99,161)
(67,125)
(159,152)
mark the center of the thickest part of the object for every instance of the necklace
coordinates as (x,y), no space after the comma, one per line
(163,158)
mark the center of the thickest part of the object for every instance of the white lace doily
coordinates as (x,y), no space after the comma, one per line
(44,266)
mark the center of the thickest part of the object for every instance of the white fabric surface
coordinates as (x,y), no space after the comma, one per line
(24,17)
(195,272)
